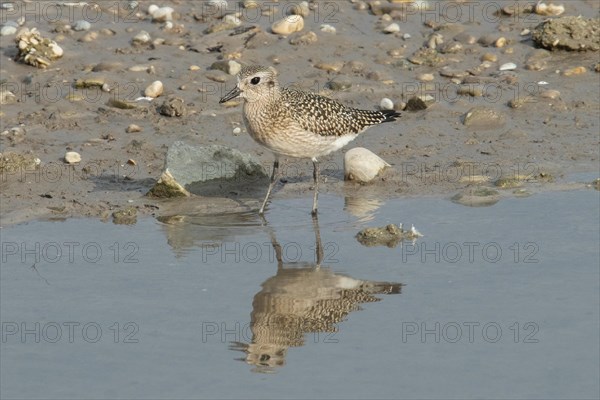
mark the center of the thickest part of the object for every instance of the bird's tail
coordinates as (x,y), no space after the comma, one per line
(390,115)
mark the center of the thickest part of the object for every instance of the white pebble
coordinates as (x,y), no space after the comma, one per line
(406,36)
(142,38)
(72,157)
(386,104)
(392,28)
(82,25)
(508,67)
(288,25)
(155,89)
(8,30)
(237,131)
(362,165)
(162,14)
(328,28)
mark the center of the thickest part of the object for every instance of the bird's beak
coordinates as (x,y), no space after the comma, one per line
(235,92)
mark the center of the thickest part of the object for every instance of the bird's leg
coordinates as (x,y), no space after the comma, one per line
(318,245)
(273,179)
(316,179)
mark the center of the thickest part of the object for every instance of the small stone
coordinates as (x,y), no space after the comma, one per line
(7,97)
(406,36)
(228,66)
(550,94)
(194,68)
(418,103)
(392,28)
(154,90)
(8,30)
(301,9)
(339,84)
(141,38)
(304,39)
(575,71)
(82,25)
(328,28)
(491,57)
(465,38)
(482,117)
(334,66)
(72,157)
(425,77)
(549,10)
(89,37)
(217,76)
(508,67)
(474,90)
(133,128)
(173,107)
(362,165)
(162,14)
(288,25)
(500,42)
(386,104)
(237,130)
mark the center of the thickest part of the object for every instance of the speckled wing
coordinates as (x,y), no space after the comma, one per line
(327,117)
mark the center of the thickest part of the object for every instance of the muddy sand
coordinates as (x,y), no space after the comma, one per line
(535,122)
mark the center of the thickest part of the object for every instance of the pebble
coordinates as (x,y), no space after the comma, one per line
(72,157)
(154,90)
(304,39)
(339,84)
(194,68)
(8,30)
(482,117)
(142,37)
(425,77)
(508,67)
(406,36)
(550,94)
(89,37)
(217,76)
(334,66)
(549,10)
(491,57)
(133,128)
(161,14)
(362,165)
(173,107)
(228,66)
(418,103)
(386,104)
(300,9)
(475,90)
(500,42)
(237,130)
(392,28)
(575,71)
(288,25)
(7,97)
(82,25)
(465,38)
(328,28)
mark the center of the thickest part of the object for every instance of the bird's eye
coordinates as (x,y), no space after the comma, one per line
(255,80)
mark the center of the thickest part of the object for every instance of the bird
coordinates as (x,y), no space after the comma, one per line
(296,123)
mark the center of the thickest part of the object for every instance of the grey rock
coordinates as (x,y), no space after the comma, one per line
(213,170)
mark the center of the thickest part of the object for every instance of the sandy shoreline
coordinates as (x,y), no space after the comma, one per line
(540,139)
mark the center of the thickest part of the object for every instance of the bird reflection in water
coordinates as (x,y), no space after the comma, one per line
(302,298)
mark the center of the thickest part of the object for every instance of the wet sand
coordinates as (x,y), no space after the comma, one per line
(538,138)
